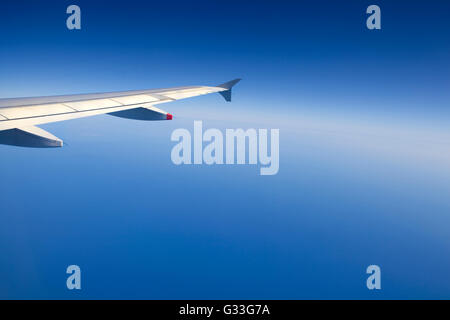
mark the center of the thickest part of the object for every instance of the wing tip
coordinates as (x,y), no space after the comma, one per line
(228,86)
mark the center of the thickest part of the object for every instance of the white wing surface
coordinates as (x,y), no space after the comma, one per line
(19,116)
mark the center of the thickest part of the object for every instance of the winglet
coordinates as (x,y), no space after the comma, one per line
(228,86)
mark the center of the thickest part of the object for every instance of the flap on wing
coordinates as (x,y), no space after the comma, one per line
(32,137)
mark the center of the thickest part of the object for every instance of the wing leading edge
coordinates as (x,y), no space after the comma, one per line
(18,117)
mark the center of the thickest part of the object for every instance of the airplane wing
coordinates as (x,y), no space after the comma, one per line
(19,116)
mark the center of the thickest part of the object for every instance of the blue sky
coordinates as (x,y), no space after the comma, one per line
(364,152)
